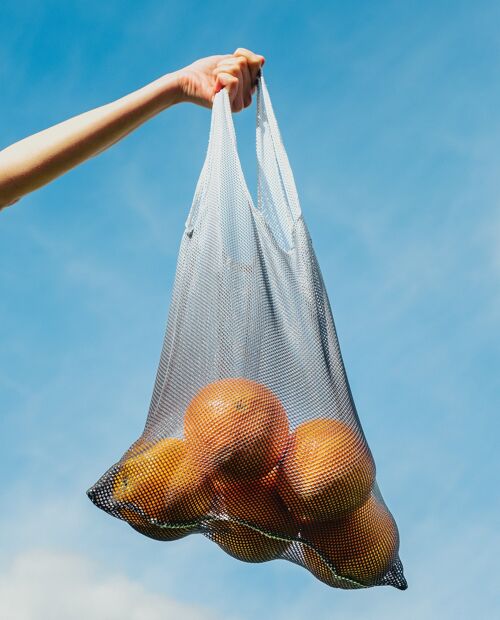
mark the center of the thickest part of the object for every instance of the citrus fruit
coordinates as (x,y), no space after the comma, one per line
(237,427)
(327,471)
(259,508)
(188,497)
(142,479)
(164,483)
(361,546)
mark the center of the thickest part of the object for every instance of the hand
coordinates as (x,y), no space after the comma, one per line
(238,73)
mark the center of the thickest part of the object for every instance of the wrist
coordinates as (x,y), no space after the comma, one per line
(188,86)
(182,77)
(171,89)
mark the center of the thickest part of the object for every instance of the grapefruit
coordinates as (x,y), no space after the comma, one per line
(237,427)
(259,507)
(164,483)
(327,471)
(361,546)
(189,494)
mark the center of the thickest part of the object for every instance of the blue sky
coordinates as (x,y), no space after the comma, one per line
(389,112)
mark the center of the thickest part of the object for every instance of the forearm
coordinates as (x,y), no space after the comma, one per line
(40,158)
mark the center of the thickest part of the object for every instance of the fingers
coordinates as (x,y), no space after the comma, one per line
(246,86)
(238,74)
(254,62)
(230,83)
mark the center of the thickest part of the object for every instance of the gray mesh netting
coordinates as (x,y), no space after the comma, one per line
(252,437)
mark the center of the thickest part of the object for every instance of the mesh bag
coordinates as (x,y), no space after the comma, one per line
(252,437)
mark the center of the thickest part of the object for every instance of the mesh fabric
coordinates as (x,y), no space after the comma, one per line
(250,319)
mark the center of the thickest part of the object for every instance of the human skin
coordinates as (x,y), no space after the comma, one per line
(42,157)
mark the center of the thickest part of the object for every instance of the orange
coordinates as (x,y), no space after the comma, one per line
(189,495)
(143,478)
(237,427)
(327,471)
(270,480)
(164,483)
(257,505)
(361,546)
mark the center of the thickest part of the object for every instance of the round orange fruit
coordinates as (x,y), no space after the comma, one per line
(189,495)
(361,546)
(327,471)
(143,478)
(267,526)
(164,483)
(237,427)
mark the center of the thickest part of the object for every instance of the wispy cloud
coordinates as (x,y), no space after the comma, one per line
(41,584)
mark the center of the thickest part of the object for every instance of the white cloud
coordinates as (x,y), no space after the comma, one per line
(55,585)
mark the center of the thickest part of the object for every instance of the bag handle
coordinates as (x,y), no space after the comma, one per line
(221,170)
(277,194)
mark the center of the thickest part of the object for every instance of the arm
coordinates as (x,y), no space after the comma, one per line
(44,156)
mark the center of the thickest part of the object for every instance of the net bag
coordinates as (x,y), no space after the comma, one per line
(252,437)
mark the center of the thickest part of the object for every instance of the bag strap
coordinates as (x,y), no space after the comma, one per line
(221,170)
(277,195)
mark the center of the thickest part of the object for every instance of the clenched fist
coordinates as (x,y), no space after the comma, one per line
(238,72)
